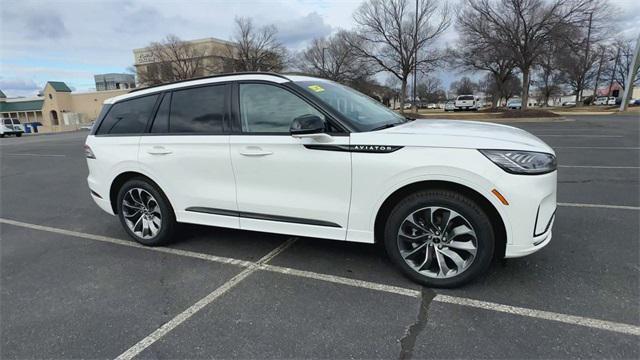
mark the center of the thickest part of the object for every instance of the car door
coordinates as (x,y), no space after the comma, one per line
(186,151)
(286,184)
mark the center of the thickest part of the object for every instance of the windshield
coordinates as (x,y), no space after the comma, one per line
(16,122)
(362,111)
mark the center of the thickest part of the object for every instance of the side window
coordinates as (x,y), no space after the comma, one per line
(128,117)
(270,109)
(198,110)
(161,122)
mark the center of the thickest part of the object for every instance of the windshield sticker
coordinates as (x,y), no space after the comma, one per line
(316,88)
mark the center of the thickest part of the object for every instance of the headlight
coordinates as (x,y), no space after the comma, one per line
(522,162)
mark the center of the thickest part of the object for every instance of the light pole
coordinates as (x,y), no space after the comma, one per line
(633,70)
(613,71)
(415,59)
(323,70)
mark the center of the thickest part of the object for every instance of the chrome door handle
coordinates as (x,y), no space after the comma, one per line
(254,151)
(159,150)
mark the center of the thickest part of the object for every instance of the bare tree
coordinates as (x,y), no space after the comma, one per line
(504,90)
(430,89)
(173,59)
(390,38)
(548,78)
(333,58)
(523,27)
(464,86)
(619,70)
(577,44)
(256,49)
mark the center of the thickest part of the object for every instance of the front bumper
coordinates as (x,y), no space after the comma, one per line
(531,211)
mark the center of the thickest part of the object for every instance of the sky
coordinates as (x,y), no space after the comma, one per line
(72,40)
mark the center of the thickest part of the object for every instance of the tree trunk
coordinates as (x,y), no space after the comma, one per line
(525,88)
(403,94)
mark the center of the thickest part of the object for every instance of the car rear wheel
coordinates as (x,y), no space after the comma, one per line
(18,134)
(145,213)
(439,238)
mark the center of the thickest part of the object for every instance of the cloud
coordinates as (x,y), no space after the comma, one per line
(47,25)
(296,33)
(19,87)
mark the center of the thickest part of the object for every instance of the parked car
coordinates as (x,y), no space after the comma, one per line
(310,157)
(87,126)
(612,100)
(11,127)
(432,106)
(514,104)
(602,100)
(467,102)
(569,103)
(450,105)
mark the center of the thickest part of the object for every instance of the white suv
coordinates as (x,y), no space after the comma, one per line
(11,127)
(309,157)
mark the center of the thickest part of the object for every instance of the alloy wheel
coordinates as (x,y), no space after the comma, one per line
(141,213)
(437,242)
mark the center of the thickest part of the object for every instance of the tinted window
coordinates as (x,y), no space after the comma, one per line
(161,122)
(198,110)
(128,117)
(7,121)
(267,108)
(465,97)
(16,121)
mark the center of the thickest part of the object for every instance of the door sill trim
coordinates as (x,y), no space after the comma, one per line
(258,216)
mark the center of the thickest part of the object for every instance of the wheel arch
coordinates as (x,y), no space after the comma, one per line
(121,179)
(494,215)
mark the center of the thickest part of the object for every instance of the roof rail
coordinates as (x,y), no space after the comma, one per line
(210,77)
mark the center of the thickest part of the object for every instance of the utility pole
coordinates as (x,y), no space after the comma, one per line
(613,71)
(323,71)
(633,70)
(586,58)
(415,61)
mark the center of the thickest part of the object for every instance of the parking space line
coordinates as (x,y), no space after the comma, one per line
(603,206)
(576,135)
(597,147)
(544,315)
(191,254)
(193,309)
(262,265)
(598,167)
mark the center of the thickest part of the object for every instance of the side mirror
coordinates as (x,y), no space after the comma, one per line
(307,125)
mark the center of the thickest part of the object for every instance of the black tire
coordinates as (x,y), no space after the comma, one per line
(18,134)
(460,204)
(1,135)
(168,220)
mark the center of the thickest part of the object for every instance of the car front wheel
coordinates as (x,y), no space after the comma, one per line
(439,238)
(145,213)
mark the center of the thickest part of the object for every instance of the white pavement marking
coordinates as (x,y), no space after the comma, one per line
(598,167)
(545,315)
(540,314)
(620,207)
(597,147)
(43,155)
(192,254)
(574,135)
(185,315)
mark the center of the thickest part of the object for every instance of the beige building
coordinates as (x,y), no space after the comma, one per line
(214,54)
(58,109)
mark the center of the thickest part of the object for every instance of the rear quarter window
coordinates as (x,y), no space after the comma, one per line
(128,117)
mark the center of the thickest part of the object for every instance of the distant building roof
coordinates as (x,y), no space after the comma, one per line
(59,86)
(29,105)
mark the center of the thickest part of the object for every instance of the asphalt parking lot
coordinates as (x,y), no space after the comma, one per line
(73,285)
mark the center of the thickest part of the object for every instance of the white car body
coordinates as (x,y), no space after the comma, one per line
(10,126)
(467,102)
(611,100)
(450,106)
(281,180)
(601,101)
(432,106)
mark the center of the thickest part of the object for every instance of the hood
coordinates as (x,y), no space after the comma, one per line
(454,134)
